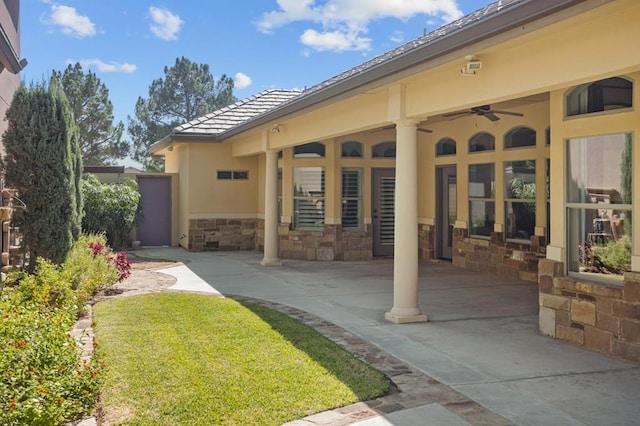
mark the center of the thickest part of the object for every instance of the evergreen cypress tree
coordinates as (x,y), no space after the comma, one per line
(43,163)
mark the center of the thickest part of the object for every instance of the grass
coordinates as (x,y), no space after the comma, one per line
(176,358)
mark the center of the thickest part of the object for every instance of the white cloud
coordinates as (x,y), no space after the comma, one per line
(164,24)
(397,37)
(101,66)
(344,22)
(242,80)
(71,22)
(334,40)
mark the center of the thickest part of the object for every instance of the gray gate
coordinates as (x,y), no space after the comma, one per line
(154,224)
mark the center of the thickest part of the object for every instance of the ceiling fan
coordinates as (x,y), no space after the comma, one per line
(483,110)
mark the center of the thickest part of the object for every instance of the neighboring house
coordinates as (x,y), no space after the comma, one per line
(505,142)
(10,67)
(10,62)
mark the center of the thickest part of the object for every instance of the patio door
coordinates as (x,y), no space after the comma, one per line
(446,213)
(383,215)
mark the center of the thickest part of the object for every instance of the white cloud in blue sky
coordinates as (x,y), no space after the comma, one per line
(70,21)
(241,80)
(102,66)
(164,24)
(343,24)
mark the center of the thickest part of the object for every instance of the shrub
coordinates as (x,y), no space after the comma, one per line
(42,380)
(615,257)
(86,271)
(43,163)
(110,208)
(46,289)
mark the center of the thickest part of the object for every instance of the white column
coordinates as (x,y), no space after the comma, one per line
(405,258)
(271,211)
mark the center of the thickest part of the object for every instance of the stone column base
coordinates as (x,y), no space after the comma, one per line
(271,262)
(405,318)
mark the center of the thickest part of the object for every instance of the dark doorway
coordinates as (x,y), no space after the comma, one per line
(383,213)
(154,224)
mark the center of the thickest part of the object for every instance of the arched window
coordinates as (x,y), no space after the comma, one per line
(445,146)
(520,137)
(602,95)
(482,141)
(351,149)
(384,150)
(309,150)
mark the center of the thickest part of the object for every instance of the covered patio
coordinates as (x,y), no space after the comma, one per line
(481,340)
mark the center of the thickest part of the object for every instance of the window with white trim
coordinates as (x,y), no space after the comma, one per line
(384,150)
(482,206)
(602,95)
(309,150)
(520,199)
(599,205)
(351,199)
(520,137)
(445,146)
(481,142)
(351,149)
(308,198)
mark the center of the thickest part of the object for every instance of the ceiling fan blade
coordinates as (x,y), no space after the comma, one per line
(380,129)
(490,115)
(460,113)
(517,114)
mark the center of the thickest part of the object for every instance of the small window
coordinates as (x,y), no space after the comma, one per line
(520,137)
(602,95)
(308,198)
(352,149)
(520,199)
(482,141)
(309,150)
(384,150)
(233,174)
(482,206)
(351,199)
(225,175)
(445,146)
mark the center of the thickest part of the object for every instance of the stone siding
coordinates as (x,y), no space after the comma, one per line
(330,243)
(426,242)
(497,256)
(222,234)
(601,317)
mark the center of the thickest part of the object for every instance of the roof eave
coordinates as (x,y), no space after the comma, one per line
(485,28)
(13,62)
(174,138)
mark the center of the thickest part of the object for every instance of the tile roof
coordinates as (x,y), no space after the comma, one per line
(446,30)
(230,116)
(268,104)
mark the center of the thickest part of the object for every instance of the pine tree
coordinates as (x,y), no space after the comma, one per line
(44,164)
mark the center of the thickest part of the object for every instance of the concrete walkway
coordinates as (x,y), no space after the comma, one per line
(481,340)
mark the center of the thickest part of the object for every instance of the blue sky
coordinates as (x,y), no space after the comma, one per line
(262,44)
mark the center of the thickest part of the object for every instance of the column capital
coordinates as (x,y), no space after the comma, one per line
(407,122)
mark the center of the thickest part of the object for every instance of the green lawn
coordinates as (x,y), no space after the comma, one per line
(176,358)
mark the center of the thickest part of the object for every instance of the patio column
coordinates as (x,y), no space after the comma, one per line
(271,211)
(405,259)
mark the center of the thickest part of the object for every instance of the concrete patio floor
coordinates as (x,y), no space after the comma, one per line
(481,339)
